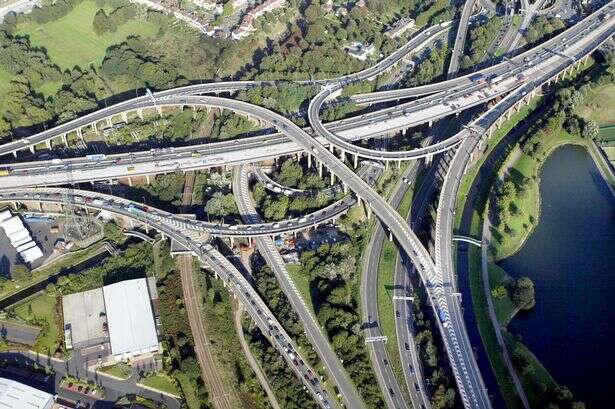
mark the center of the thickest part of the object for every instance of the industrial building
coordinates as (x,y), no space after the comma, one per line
(16,395)
(118,315)
(20,237)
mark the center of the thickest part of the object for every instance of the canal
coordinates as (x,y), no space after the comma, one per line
(571,259)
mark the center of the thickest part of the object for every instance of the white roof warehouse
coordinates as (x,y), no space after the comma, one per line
(130,318)
(123,309)
(15,395)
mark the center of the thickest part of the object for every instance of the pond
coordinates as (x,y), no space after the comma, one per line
(571,259)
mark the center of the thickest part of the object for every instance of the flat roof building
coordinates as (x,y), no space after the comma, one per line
(85,319)
(16,395)
(132,330)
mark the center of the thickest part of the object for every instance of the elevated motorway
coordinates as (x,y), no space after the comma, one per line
(460,38)
(532,57)
(238,286)
(156,99)
(530,67)
(268,251)
(100,201)
(480,130)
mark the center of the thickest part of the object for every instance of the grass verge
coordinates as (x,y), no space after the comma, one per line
(71,40)
(119,370)
(162,382)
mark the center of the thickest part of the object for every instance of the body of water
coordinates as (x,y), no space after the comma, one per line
(571,259)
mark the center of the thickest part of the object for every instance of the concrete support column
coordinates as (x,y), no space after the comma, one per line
(159,109)
(129,181)
(14,205)
(309,160)
(430,123)
(140,113)
(64,139)
(369,211)
(125,117)
(109,122)
(48,143)
(332,178)
(320,169)
(14,154)
(356,161)
(40,207)
(147,179)
(345,188)
(94,128)
(80,133)
(132,224)
(146,228)
(343,156)
(331,148)
(399,164)
(32,149)
(386,165)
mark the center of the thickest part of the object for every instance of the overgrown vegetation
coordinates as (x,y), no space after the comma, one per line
(334,282)
(179,356)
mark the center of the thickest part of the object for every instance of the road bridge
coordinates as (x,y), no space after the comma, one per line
(100,201)
(460,38)
(239,287)
(466,239)
(268,251)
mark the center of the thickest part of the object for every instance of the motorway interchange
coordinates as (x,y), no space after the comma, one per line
(513,81)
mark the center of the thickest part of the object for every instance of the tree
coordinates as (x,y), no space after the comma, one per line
(499,292)
(590,130)
(523,294)
(290,173)
(5,129)
(102,23)
(114,233)
(221,205)
(20,272)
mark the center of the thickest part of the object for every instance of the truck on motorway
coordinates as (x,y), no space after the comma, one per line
(97,157)
(5,172)
(130,168)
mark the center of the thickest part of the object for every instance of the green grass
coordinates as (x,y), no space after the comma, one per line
(49,88)
(119,370)
(5,78)
(186,386)
(164,383)
(608,133)
(468,179)
(42,307)
(504,307)
(302,282)
(435,8)
(487,332)
(12,286)
(71,40)
(610,153)
(529,204)
(538,376)
(599,105)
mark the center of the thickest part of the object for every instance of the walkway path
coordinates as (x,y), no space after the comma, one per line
(492,316)
(262,379)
